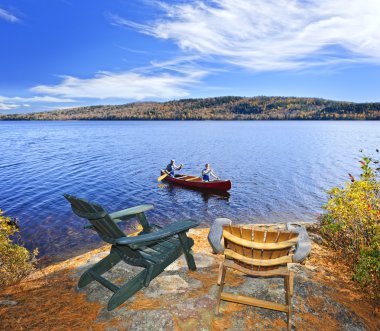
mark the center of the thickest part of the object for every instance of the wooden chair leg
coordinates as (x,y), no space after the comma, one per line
(220,273)
(99,268)
(291,283)
(221,277)
(288,280)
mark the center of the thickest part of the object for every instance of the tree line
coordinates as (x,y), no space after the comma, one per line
(217,108)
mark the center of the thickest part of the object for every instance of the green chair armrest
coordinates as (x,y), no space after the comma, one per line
(130,212)
(150,238)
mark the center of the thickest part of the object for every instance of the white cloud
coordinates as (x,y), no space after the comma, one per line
(127,85)
(11,103)
(60,107)
(44,98)
(160,80)
(7,16)
(271,34)
(6,106)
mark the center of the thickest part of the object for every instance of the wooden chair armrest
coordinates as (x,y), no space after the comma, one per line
(130,212)
(150,238)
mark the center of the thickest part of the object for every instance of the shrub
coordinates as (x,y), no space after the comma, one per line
(15,260)
(351,225)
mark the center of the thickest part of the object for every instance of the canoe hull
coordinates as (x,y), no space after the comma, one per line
(198,183)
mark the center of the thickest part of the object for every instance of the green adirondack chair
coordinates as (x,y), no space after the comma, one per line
(154,248)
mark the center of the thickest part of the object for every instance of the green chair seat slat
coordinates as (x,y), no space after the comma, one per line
(163,249)
(157,249)
(159,252)
(150,257)
(168,245)
(139,262)
(174,240)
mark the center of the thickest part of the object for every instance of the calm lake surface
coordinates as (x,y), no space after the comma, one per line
(279,171)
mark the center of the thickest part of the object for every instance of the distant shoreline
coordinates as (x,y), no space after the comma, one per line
(193,120)
(219,109)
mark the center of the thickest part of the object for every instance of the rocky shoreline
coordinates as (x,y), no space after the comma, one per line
(325,298)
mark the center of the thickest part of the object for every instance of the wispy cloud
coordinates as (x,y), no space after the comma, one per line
(8,16)
(136,85)
(6,106)
(44,98)
(11,103)
(159,80)
(271,34)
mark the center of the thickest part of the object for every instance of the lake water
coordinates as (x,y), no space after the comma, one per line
(279,171)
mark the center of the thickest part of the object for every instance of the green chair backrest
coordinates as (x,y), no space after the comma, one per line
(97,215)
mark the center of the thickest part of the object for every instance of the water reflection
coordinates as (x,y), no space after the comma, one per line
(220,195)
(173,189)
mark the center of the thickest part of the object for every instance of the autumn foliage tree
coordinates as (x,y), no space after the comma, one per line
(15,260)
(352,224)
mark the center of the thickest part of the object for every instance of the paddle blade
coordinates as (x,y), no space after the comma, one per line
(161,177)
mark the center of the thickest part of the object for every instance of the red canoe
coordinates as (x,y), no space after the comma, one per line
(197,182)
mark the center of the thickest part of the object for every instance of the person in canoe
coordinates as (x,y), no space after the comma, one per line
(172,167)
(207,172)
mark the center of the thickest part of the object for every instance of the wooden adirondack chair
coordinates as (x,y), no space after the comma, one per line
(153,249)
(261,253)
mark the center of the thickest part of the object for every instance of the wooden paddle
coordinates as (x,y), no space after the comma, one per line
(162,176)
(167,174)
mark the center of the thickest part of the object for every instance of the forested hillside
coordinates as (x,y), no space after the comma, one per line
(218,108)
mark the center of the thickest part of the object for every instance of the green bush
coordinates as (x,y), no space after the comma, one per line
(351,225)
(15,260)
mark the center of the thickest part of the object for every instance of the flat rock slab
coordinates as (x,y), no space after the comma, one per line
(143,320)
(171,284)
(202,261)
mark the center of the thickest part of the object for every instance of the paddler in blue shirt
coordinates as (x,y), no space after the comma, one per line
(171,167)
(207,172)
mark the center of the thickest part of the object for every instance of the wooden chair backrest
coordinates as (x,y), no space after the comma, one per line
(258,248)
(97,216)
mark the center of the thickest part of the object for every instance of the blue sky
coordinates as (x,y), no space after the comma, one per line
(66,53)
